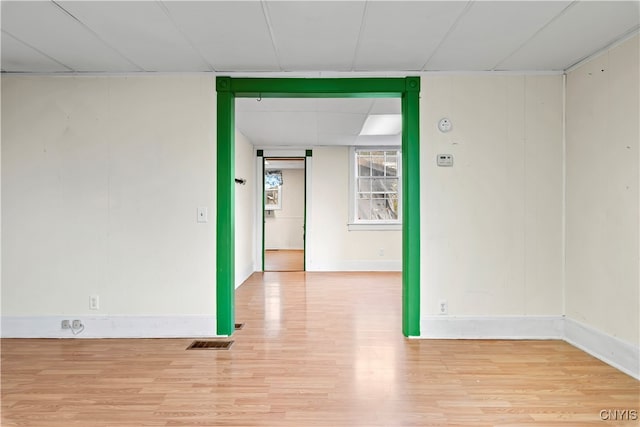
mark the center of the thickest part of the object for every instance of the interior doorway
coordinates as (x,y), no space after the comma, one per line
(284,219)
(229,88)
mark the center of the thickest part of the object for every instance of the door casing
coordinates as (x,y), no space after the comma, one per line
(261,155)
(405,88)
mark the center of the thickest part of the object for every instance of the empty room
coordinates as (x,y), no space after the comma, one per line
(320,213)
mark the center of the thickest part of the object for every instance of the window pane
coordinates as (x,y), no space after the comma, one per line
(379,209)
(378,185)
(364,209)
(391,166)
(363,168)
(384,185)
(364,184)
(377,166)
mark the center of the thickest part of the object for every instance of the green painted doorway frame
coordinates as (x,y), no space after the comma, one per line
(263,158)
(405,88)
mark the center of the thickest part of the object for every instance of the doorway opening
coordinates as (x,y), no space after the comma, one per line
(284,213)
(228,89)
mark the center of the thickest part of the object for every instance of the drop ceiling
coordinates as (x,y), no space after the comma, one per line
(308,38)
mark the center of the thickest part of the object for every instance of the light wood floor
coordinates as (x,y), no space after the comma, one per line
(284,260)
(316,350)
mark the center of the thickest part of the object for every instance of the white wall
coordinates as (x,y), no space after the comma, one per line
(602,217)
(245,208)
(330,245)
(101,179)
(491,226)
(284,229)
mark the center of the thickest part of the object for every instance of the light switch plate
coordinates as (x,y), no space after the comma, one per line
(202,215)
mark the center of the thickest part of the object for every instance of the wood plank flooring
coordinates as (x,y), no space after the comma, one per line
(317,349)
(284,260)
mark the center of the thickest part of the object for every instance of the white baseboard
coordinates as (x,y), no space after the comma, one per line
(244,274)
(357,265)
(491,327)
(616,352)
(110,327)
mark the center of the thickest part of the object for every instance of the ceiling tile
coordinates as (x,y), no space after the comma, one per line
(231,35)
(582,30)
(336,139)
(316,35)
(268,128)
(490,31)
(344,105)
(47,28)
(402,35)
(386,106)
(142,31)
(340,123)
(16,56)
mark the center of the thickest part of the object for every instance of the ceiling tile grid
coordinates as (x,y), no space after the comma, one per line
(489,31)
(155,45)
(315,35)
(404,34)
(45,27)
(308,36)
(586,28)
(231,35)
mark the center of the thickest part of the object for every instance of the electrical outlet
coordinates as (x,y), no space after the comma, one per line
(65,324)
(381,252)
(443,306)
(94,302)
(76,324)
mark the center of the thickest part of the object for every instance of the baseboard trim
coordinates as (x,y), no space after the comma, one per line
(364,265)
(618,353)
(491,327)
(243,275)
(110,327)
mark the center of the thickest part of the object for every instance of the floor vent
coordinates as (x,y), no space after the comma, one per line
(210,345)
(239,326)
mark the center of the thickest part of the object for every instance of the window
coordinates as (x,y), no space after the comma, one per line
(273,190)
(375,188)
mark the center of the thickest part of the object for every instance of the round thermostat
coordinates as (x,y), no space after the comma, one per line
(444,125)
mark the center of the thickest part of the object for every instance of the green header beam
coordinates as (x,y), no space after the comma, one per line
(319,88)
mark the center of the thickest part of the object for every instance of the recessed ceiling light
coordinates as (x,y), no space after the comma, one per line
(382,124)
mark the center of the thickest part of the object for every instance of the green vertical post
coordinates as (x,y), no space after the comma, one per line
(225,203)
(307,153)
(263,189)
(411,208)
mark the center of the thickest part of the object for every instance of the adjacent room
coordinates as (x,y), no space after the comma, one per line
(312,213)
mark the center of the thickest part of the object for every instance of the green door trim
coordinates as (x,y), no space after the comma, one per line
(304,225)
(406,88)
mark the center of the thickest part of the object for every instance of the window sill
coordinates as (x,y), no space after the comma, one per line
(374,227)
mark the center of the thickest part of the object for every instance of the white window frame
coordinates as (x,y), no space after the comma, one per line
(355,224)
